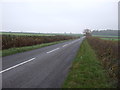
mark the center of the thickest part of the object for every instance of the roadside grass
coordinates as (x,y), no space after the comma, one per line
(11,51)
(87,71)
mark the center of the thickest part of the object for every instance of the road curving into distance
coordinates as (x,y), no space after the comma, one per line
(46,67)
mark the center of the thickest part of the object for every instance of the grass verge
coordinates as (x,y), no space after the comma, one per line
(26,48)
(87,71)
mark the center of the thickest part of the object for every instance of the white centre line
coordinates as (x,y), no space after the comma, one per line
(65,45)
(53,50)
(70,43)
(17,65)
(34,58)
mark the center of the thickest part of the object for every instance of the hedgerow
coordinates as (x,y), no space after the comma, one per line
(11,41)
(107,52)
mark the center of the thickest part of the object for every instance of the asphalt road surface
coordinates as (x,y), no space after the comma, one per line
(40,68)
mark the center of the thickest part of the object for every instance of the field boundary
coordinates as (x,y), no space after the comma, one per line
(27,48)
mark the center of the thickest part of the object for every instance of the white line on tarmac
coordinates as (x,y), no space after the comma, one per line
(17,65)
(70,43)
(65,45)
(53,50)
(34,58)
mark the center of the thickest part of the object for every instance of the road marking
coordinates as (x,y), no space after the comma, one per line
(35,58)
(17,65)
(70,43)
(65,45)
(53,50)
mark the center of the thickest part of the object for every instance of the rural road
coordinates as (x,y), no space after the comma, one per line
(46,67)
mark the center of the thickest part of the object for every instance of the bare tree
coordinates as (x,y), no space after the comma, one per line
(87,32)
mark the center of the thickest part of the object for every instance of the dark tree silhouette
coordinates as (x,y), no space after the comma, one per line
(87,32)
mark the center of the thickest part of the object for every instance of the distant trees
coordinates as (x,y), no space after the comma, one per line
(87,32)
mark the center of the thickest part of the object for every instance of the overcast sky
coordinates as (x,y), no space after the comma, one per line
(58,16)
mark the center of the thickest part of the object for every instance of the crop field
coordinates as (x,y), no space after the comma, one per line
(107,51)
(12,41)
(26,34)
(38,34)
(105,37)
(113,39)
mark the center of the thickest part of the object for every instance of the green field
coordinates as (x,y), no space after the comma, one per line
(113,39)
(37,34)
(105,36)
(87,71)
(26,34)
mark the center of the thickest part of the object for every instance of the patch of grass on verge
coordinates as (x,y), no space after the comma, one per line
(87,71)
(26,48)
